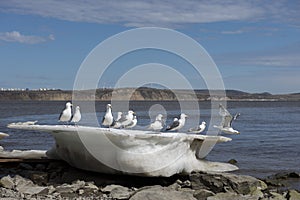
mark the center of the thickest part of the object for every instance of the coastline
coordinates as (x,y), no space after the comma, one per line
(143,94)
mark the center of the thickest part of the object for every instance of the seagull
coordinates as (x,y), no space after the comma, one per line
(198,129)
(133,122)
(177,124)
(128,119)
(108,119)
(66,114)
(226,124)
(118,122)
(158,124)
(77,116)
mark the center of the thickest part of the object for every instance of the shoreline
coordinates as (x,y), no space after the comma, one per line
(144,94)
(58,180)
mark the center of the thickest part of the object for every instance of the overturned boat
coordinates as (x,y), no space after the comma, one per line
(135,152)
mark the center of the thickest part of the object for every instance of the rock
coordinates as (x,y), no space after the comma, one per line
(39,178)
(202,194)
(263,185)
(120,193)
(285,175)
(257,193)
(276,196)
(51,189)
(7,182)
(90,187)
(161,193)
(282,178)
(80,192)
(223,182)
(174,186)
(25,166)
(232,161)
(8,193)
(77,185)
(65,188)
(231,196)
(293,195)
(117,191)
(109,188)
(32,189)
(26,186)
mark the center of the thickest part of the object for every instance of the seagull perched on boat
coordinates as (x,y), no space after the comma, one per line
(226,124)
(66,114)
(133,122)
(198,129)
(177,124)
(108,119)
(77,115)
(158,124)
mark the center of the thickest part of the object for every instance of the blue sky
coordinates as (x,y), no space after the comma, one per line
(255,44)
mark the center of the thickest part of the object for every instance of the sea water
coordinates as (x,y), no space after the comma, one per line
(269,141)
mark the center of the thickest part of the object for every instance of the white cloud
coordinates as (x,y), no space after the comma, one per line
(233,32)
(16,36)
(285,56)
(153,13)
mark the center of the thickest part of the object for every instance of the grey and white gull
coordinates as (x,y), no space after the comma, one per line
(108,119)
(177,124)
(227,119)
(77,115)
(66,114)
(158,124)
(199,129)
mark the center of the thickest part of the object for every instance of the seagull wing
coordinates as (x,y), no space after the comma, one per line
(194,129)
(234,118)
(103,119)
(223,111)
(122,119)
(226,122)
(173,125)
(60,115)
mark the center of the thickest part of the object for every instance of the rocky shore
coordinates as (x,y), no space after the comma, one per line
(58,180)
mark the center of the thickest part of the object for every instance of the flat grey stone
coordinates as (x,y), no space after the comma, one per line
(7,182)
(161,193)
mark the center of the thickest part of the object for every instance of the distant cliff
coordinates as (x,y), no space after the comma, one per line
(140,94)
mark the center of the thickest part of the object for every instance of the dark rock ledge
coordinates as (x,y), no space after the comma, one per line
(57,180)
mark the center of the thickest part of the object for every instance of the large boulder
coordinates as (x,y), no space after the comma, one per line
(225,182)
(231,196)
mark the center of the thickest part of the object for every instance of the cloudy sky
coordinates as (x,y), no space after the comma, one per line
(255,44)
